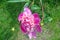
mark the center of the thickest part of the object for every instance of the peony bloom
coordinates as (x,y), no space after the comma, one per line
(30,23)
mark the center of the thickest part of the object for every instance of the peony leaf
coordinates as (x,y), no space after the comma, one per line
(18,1)
(26,4)
(35,7)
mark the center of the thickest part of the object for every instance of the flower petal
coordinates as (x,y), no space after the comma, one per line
(23,28)
(36,15)
(38,28)
(36,18)
(20,17)
(30,35)
(27,11)
(34,34)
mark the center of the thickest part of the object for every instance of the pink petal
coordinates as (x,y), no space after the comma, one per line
(38,28)
(23,28)
(30,35)
(36,18)
(34,34)
(20,17)
(27,10)
(36,15)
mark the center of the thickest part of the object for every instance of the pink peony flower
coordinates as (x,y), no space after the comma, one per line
(30,23)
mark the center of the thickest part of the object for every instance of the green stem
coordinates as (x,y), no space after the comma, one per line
(42,10)
(31,3)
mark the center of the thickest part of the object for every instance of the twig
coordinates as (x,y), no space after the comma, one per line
(31,3)
(42,10)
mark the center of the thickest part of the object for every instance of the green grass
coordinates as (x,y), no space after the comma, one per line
(8,20)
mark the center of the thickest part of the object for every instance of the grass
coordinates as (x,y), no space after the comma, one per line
(8,20)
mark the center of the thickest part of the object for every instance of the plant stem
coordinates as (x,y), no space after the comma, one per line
(31,3)
(42,10)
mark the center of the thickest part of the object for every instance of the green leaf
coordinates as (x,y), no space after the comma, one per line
(27,4)
(50,19)
(18,1)
(35,7)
